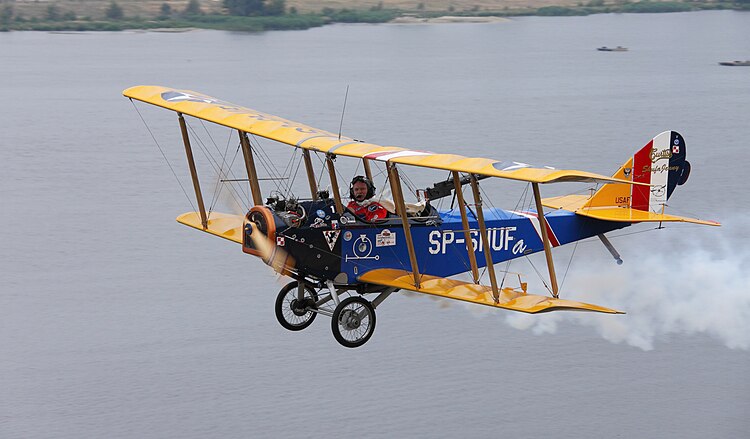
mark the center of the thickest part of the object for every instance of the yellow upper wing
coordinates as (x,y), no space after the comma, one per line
(302,136)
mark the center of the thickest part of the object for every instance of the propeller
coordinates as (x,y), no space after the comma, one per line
(273,255)
(260,226)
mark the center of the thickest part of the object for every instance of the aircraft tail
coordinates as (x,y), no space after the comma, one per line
(660,163)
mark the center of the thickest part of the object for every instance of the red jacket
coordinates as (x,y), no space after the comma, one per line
(368,210)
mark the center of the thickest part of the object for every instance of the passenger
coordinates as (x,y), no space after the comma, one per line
(361,190)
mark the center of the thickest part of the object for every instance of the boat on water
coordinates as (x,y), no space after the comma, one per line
(735,63)
(612,49)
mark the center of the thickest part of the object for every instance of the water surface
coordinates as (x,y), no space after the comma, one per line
(116,321)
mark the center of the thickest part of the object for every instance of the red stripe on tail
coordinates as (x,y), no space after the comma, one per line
(642,174)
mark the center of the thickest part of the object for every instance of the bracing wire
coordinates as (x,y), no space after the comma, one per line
(270,169)
(213,162)
(268,165)
(457,252)
(575,247)
(224,157)
(218,193)
(296,171)
(380,171)
(409,184)
(219,186)
(164,155)
(323,166)
(521,201)
(539,274)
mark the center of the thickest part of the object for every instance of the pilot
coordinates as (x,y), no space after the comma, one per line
(361,190)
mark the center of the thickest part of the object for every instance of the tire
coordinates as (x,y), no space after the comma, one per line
(353,322)
(289,314)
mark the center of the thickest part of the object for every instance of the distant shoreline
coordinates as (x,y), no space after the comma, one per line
(406,19)
(294,21)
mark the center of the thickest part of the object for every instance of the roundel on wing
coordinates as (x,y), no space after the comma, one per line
(178,96)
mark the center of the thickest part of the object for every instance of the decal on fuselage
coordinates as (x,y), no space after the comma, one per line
(362,248)
(386,238)
(500,239)
(331,237)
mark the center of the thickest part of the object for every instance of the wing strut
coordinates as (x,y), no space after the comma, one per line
(545,239)
(310,174)
(485,240)
(252,174)
(465,223)
(193,172)
(368,170)
(334,183)
(398,199)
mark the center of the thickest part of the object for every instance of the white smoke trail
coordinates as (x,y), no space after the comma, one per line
(689,281)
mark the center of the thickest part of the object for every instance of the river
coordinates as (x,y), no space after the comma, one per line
(115,321)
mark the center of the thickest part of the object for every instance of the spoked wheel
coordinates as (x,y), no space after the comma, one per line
(353,322)
(295,314)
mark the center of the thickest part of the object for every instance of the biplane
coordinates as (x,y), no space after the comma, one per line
(338,260)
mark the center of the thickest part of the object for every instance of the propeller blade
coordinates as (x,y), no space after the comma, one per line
(273,255)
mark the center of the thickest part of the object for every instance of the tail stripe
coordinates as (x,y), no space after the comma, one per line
(642,174)
(662,152)
(532,216)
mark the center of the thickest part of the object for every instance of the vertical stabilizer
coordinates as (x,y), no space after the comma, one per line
(660,163)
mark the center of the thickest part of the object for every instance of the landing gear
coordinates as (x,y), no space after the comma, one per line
(352,318)
(353,322)
(295,308)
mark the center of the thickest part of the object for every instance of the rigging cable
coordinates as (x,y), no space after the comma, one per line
(219,186)
(211,160)
(245,207)
(164,155)
(520,202)
(267,163)
(323,167)
(221,167)
(575,247)
(296,171)
(409,184)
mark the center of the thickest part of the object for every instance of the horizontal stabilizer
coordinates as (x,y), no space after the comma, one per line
(661,164)
(578,204)
(225,225)
(510,298)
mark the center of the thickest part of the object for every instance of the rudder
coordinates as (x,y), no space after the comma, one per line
(660,163)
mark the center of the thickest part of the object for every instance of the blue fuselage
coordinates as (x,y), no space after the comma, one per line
(441,249)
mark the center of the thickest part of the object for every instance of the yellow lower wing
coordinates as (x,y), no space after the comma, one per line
(224,225)
(510,298)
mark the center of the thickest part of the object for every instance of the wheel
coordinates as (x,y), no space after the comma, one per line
(353,322)
(292,313)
